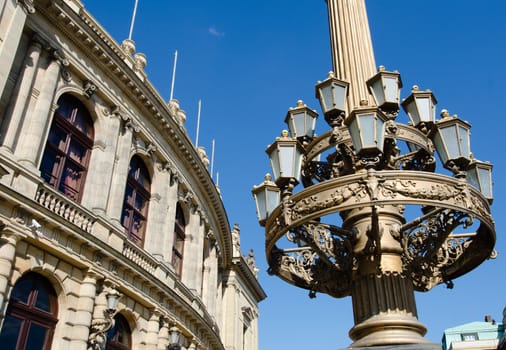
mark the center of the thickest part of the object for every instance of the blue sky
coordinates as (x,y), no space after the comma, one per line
(250,60)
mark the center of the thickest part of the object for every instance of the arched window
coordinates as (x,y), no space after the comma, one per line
(119,336)
(31,315)
(178,243)
(68,148)
(136,202)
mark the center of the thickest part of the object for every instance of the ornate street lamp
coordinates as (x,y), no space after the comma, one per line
(285,154)
(332,93)
(386,89)
(100,327)
(452,141)
(174,339)
(301,121)
(367,131)
(479,175)
(267,197)
(421,108)
(347,232)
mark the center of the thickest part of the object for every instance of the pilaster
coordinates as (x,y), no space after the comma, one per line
(18,104)
(120,170)
(84,312)
(8,242)
(35,127)
(100,173)
(12,23)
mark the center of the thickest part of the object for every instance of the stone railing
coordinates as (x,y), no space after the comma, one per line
(65,208)
(139,257)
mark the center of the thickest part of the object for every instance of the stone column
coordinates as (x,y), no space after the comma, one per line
(192,261)
(18,104)
(7,254)
(120,171)
(12,22)
(211,279)
(153,330)
(100,172)
(157,231)
(351,47)
(170,216)
(35,127)
(84,312)
(163,334)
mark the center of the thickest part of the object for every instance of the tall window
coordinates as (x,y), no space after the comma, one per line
(118,337)
(68,147)
(179,237)
(136,202)
(31,315)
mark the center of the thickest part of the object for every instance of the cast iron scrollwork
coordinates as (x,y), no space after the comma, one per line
(430,246)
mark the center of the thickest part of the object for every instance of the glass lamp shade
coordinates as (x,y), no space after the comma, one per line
(113,297)
(174,335)
(367,130)
(285,155)
(332,94)
(452,140)
(420,106)
(267,197)
(386,89)
(479,175)
(301,121)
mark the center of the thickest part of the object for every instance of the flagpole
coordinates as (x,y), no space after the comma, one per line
(133,20)
(212,157)
(198,125)
(173,77)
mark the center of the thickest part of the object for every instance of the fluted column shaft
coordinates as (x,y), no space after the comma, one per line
(120,172)
(351,47)
(18,103)
(12,21)
(35,127)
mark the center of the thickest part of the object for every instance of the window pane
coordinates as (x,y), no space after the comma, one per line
(77,152)
(43,301)
(10,332)
(70,180)
(140,203)
(36,337)
(129,195)
(125,218)
(57,137)
(82,122)
(22,290)
(49,167)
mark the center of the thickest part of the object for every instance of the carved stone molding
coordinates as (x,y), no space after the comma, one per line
(89,88)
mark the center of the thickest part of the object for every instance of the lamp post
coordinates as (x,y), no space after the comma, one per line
(99,328)
(377,164)
(174,338)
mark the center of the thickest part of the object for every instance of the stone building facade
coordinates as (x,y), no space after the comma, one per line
(102,194)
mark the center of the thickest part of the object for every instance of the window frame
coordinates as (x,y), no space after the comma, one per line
(29,314)
(178,241)
(57,158)
(134,189)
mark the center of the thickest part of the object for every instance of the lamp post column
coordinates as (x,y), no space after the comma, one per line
(351,47)
(382,293)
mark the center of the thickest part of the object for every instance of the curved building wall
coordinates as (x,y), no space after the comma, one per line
(90,191)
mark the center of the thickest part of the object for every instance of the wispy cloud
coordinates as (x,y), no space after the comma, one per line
(213,31)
